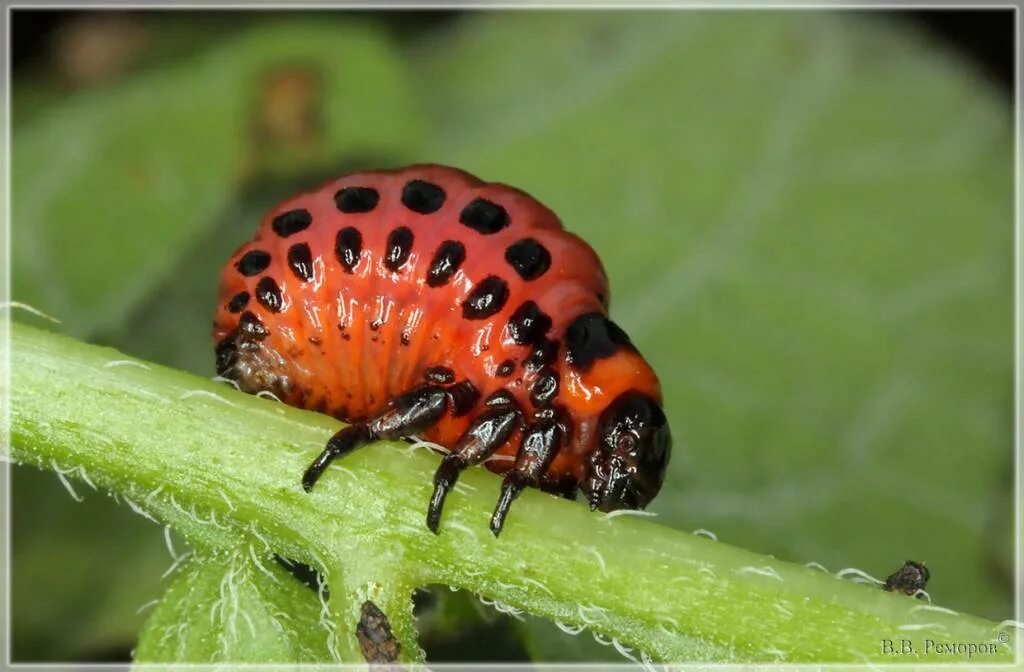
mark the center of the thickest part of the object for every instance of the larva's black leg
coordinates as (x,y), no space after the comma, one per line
(540,444)
(485,435)
(342,443)
(409,413)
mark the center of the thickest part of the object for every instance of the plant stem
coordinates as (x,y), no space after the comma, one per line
(222,468)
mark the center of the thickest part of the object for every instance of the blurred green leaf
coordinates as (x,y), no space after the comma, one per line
(807,222)
(113,186)
(233,607)
(69,576)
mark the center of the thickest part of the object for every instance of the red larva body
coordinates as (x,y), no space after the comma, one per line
(358,292)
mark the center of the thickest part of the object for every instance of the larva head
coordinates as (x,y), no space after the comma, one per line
(614,392)
(628,464)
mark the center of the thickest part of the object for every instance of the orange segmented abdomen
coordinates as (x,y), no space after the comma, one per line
(350,294)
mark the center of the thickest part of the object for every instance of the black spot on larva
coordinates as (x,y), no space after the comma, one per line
(501,398)
(348,244)
(484,216)
(406,337)
(376,640)
(253,263)
(487,298)
(356,199)
(545,388)
(505,369)
(227,355)
(439,374)
(543,355)
(449,256)
(593,336)
(463,396)
(528,324)
(529,258)
(269,294)
(238,302)
(291,222)
(422,197)
(301,261)
(399,247)
(249,325)
(376,324)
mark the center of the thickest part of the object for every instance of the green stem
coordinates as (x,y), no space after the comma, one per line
(222,468)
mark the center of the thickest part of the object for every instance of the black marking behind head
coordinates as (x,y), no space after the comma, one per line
(449,256)
(439,374)
(238,302)
(422,197)
(253,263)
(528,324)
(487,298)
(530,259)
(291,222)
(250,326)
(399,247)
(592,336)
(269,294)
(301,261)
(348,245)
(356,199)
(505,369)
(484,216)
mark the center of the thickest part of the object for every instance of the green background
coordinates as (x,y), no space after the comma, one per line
(806,218)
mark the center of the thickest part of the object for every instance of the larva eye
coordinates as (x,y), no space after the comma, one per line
(626,442)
